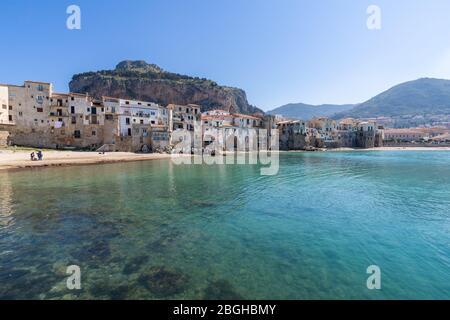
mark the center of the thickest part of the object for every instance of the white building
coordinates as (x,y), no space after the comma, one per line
(132,112)
(5,118)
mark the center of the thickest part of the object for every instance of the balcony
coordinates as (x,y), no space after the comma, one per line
(57,111)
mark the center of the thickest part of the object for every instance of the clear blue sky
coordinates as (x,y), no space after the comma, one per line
(279,51)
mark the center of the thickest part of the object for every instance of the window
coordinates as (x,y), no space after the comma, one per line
(74,120)
(142,121)
(129,131)
(10,118)
(77,134)
(127,120)
(10,107)
(72,98)
(4,106)
(40,110)
(72,109)
(88,109)
(40,87)
(127,102)
(20,113)
(94,133)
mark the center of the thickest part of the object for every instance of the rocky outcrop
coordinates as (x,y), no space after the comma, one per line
(148,82)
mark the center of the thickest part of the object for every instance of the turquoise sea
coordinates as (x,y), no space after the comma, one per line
(156,230)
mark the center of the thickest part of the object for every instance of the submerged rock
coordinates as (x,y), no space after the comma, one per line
(135,264)
(165,239)
(110,291)
(98,250)
(221,290)
(163,282)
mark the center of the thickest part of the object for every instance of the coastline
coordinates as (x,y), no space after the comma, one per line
(18,160)
(395,149)
(375,149)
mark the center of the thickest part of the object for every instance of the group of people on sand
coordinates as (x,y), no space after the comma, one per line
(36,156)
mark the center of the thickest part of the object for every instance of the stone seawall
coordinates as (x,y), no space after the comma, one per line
(52,138)
(4,138)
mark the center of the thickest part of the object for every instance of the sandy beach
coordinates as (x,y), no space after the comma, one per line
(13,160)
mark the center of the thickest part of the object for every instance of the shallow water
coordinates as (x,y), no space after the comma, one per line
(155,230)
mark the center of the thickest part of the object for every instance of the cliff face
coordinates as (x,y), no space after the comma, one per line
(141,81)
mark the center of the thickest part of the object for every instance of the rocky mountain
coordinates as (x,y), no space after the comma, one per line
(148,82)
(422,97)
(306,111)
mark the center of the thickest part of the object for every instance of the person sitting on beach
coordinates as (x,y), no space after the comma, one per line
(39,155)
(32,156)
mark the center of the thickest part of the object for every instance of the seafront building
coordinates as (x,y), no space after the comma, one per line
(34,115)
(328,133)
(233,131)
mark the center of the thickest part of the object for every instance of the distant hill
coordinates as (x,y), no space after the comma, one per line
(148,82)
(307,111)
(424,96)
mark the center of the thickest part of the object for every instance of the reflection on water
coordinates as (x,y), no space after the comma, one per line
(6,209)
(155,230)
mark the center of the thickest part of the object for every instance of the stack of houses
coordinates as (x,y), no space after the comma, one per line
(328,133)
(34,115)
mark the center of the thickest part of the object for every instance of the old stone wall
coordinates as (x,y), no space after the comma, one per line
(365,139)
(4,138)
